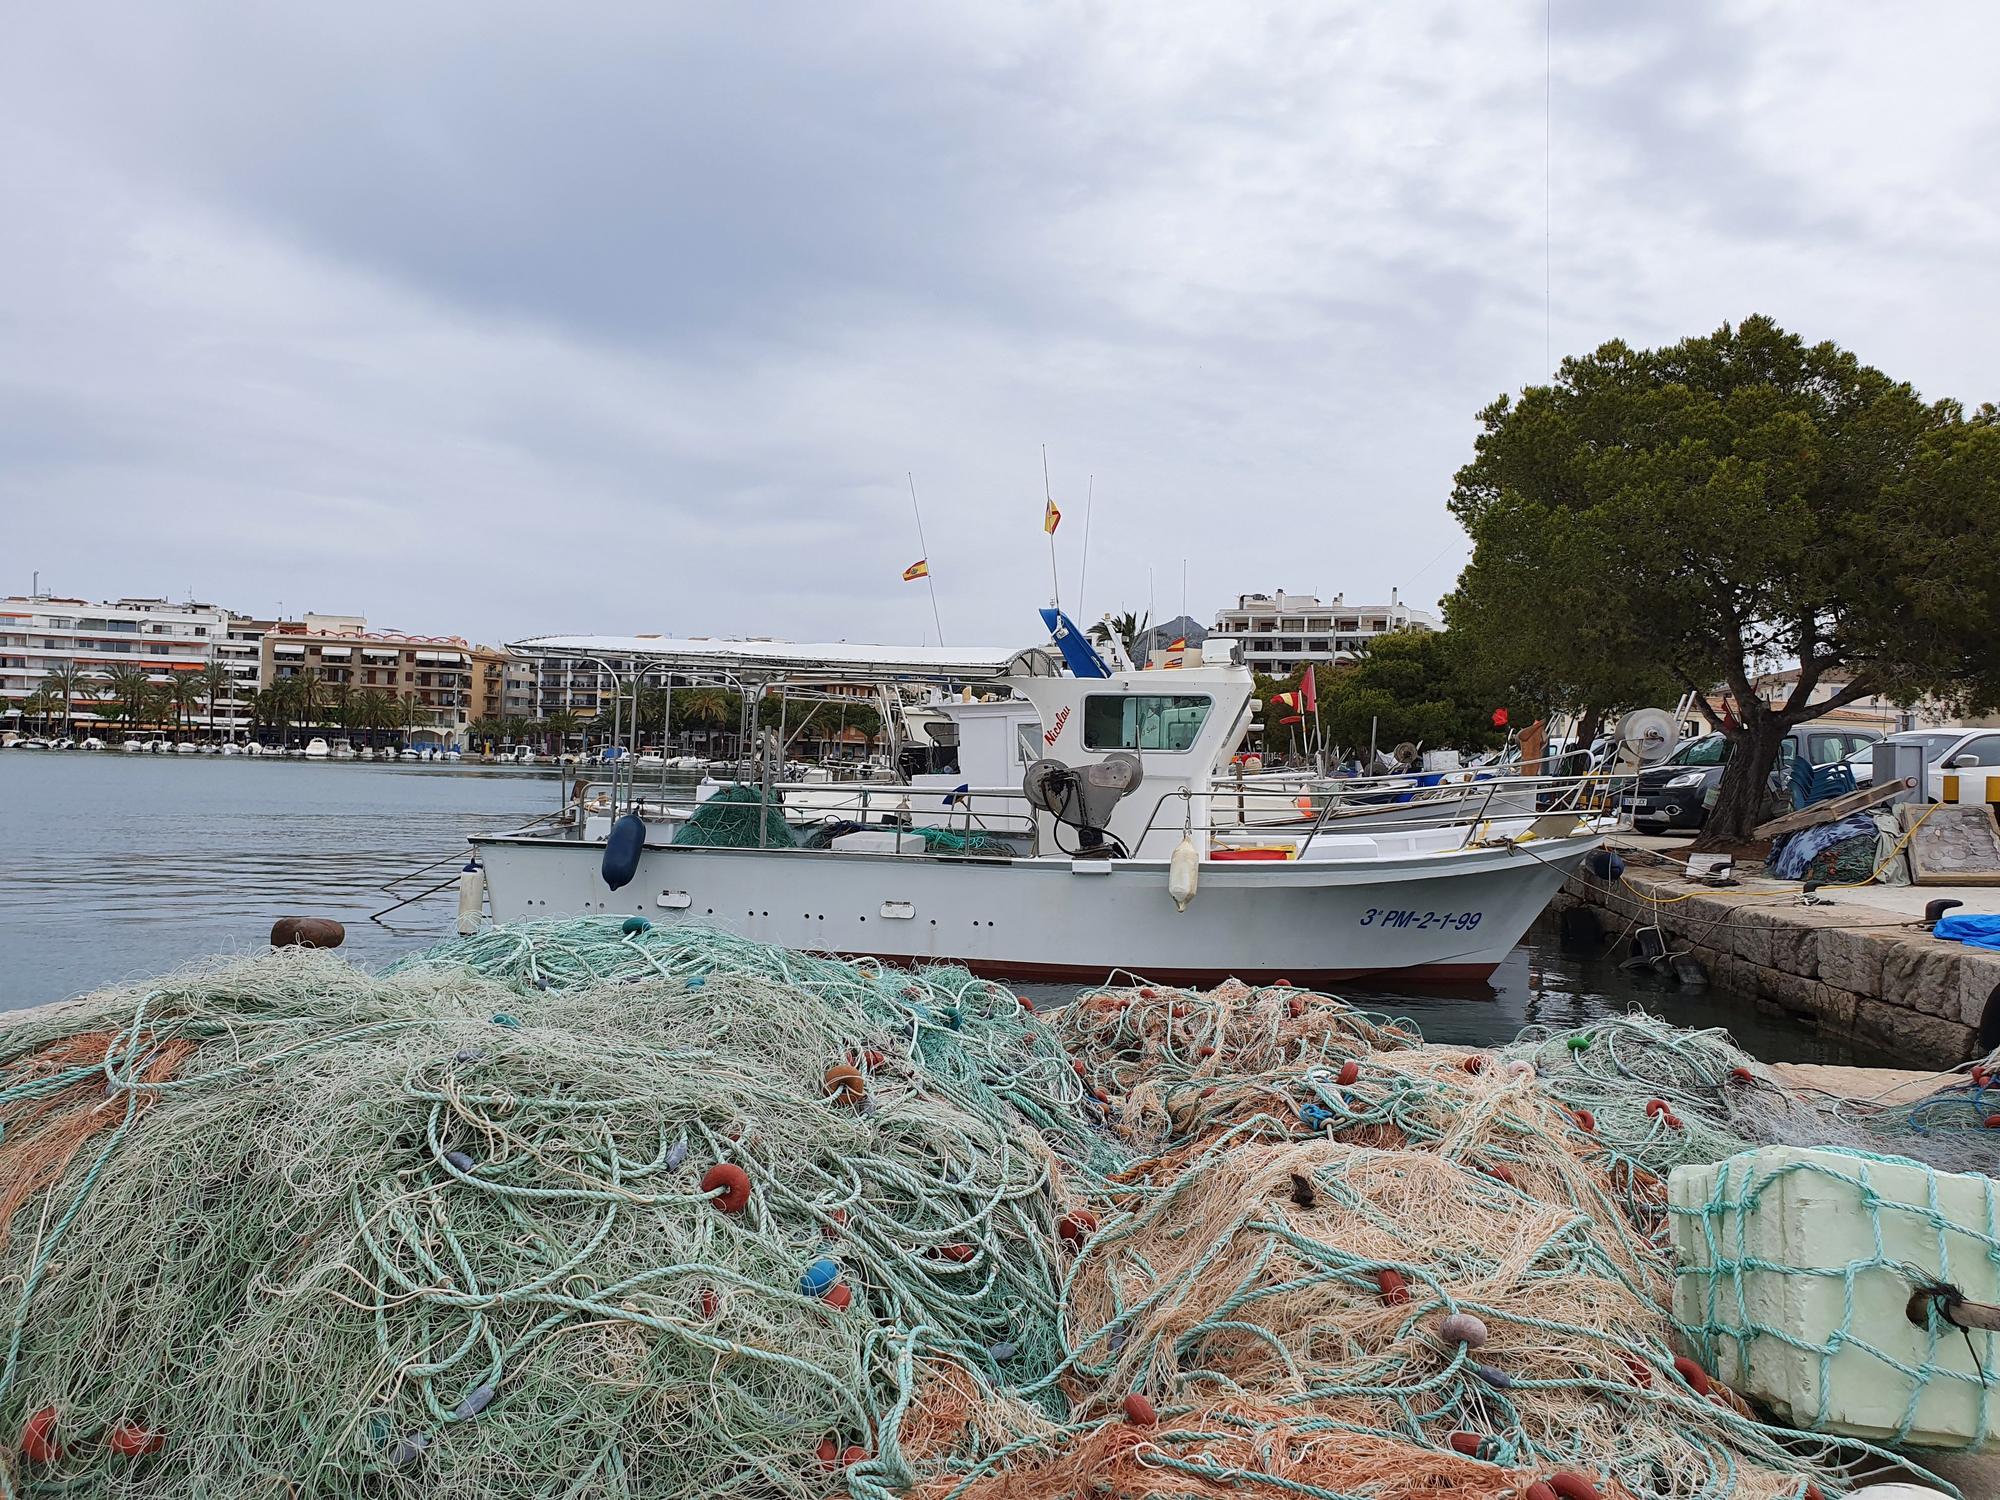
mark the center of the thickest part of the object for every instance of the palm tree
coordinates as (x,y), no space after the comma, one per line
(304,697)
(340,704)
(183,691)
(272,706)
(706,708)
(215,681)
(559,726)
(69,682)
(41,705)
(371,709)
(132,691)
(1129,627)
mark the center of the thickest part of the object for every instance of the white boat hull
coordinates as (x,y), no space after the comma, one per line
(1440,917)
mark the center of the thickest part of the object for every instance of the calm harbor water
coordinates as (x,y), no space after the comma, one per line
(118,866)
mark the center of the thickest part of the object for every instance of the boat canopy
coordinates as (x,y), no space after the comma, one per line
(774,661)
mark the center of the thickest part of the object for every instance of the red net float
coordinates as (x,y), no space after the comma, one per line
(838,1216)
(38,1437)
(1993,1122)
(1349,1072)
(1296,1005)
(1642,1373)
(1391,1286)
(957,1253)
(1078,1068)
(873,1058)
(846,1084)
(1474,1064)
(1078,1226)
(1468,1443)
(829,1453)
(839,1296)
(1585,1121)
(129,1440)
(1571,1486)
(1026,1004)
(708,1303)
(852,1455)
(1539,1490)
(732,1184)
(1671,1120)
(1655,1108)
(1742,1075)
(1139,1411)
(1204,1052)
(1693,1374)
(1502,1172)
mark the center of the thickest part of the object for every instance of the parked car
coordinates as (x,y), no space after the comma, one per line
(1948,748)
(1677,794)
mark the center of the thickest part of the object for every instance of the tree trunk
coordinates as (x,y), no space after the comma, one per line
(1739,801)
(1587,727)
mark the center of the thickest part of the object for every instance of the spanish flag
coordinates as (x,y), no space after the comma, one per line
(1051,517)
(1176,653)
(921,568)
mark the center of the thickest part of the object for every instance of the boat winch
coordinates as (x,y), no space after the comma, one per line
(1084,796)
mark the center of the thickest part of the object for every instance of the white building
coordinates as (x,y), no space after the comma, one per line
(1280,630)
(43,633)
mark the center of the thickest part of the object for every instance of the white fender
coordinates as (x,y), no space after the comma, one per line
(1183,873)
(471,897)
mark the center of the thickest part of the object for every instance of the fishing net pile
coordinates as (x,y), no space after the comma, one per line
(598,1209)
(737,817)
(285,1227)
(1352,1263)
(974,1038)
(1663,1097)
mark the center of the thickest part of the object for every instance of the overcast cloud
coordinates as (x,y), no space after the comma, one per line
(501,320)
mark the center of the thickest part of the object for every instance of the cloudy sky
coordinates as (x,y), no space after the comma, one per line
(500,320)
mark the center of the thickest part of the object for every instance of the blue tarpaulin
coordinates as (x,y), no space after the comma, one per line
(1802,847)
(1976,931)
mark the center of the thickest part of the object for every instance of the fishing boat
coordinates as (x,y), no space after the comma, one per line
(1101,852)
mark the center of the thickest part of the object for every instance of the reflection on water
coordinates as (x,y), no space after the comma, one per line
(115,866)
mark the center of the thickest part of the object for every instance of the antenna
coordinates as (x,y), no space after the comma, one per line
(1083,568)
(1048,503)
(924,550)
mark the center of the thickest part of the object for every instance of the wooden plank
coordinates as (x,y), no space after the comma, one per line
(1833,808)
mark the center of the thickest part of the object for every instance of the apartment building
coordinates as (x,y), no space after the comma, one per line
(44,633)
(567,686)
(429,677)
(1281,630)
(503,684)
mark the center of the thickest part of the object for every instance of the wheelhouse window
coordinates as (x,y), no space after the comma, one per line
(1143,721)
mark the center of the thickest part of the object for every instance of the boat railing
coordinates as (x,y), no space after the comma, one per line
(1217,808)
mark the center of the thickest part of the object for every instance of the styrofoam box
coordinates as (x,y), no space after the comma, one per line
(879,841)
(1808,1220)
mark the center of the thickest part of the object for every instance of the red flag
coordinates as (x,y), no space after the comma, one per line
(1499,718)
(1309,692)
(1291,719)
